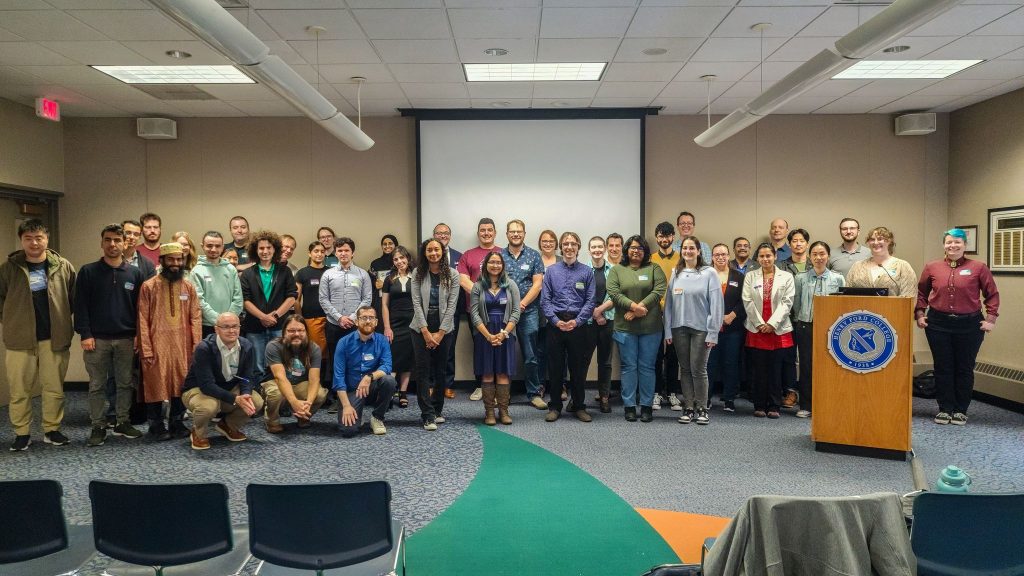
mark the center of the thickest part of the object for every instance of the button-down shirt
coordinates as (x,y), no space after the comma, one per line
(841,260)
(955,290)
(229,359)
(343,291)
(808,285)
(568,288)
(522,269)
(355,358)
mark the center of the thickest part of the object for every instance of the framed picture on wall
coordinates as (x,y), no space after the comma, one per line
(972,238)
(1006,240)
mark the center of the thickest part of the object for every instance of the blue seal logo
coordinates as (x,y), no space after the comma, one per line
(862,341)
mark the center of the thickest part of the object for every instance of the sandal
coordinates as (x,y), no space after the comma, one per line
(403,400)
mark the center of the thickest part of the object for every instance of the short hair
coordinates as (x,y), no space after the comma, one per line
(784,221)
(700,253)
(643,244)
(439,224)
(737,239)
(515,221)
(828,250)
(114,228)
(394,239)
(567,235)
(485,221)
(32,225)
(800,231)
(544,233)
(762,246)
(685,213)
(339,242)
(592,238)
(664,229)
(361,309)
(723,245)
(322,228)
(150,216)
(849,219)
(266,236)
(212,234)
(242,218)
(290,237)
(608,240)
(135,223)
(883,232)
(313,245)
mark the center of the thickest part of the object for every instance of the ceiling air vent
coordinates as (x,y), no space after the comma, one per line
(174,91)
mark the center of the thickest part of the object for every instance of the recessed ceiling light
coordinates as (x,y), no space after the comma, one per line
(539,72)
(896,49)
(890,69)
(178,54)
(176,74)
(655,51)
(496,52)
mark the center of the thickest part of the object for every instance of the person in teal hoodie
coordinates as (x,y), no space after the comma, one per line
(216,282)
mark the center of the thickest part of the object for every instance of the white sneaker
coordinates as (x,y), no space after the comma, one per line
(656,404)
(477,394)
(378,427)
(803,413)
(674,402)
(439,420)
(429,426)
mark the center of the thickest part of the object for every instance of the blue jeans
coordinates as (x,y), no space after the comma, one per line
(637,354)
(724,363)
(526,332)
(259,343)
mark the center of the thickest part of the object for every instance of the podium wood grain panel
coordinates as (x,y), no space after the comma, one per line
(871,410)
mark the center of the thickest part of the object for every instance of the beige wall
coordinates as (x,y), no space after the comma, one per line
(986,171)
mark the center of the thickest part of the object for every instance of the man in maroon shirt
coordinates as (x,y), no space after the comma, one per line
(469,272)
(151,233)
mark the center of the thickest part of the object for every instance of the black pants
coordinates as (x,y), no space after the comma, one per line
(599,337)
(802,336)
(155,414)
(666,371)
(431,372)
(378,396)
(450,364)
(568,350)
(334,334)
(767,384)
(954,342)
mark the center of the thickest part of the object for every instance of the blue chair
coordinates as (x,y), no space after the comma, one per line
(34,537)
(324,528)
(183,526)
(968,534)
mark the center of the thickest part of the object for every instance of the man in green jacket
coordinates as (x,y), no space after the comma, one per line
(216,282)
(36,288)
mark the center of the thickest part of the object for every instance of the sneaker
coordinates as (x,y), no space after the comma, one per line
(702,417)
(958,419)
(942,418)
(646,414)
(538,403)
(429,426)
(565,395)
(803,413)
(126,430)
(630,414)
(476,395)
(730,406)
(199,443)
(790,398)
(674,402)
(97,437)
(111,422)
(159,431)
(56,438)
(583,416)
(773,414)
(230,433)
(21,443)
(656,404)
(333,409)
(686,418)
(378,427)
(606,407)
(551,416)
(759,414)
(439,420)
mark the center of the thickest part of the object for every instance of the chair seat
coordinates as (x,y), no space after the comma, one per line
(225,565)
(66,562)
(386,565)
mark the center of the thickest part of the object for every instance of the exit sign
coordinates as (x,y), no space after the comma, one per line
(49,109)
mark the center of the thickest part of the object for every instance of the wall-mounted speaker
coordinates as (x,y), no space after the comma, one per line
(915,124)
(156,128)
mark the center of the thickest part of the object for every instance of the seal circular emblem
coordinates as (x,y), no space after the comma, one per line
(862,341)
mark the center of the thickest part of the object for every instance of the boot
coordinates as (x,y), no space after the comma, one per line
(488,396)
(503,394)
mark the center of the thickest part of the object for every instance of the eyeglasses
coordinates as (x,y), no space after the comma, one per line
(636,248)
(230,327)
(570,245)
(296,331)
(442,234)
(367,318)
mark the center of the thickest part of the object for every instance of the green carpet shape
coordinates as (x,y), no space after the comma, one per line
(529,512)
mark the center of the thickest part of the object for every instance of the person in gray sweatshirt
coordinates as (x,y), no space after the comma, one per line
(216,282)
(694,306)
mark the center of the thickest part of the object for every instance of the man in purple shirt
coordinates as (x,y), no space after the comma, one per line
(567,301)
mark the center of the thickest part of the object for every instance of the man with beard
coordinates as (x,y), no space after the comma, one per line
(524,267)
(851,251)
(666,367)
(169,322)
(294,363)
(362,375)
(742,262)
(151,232)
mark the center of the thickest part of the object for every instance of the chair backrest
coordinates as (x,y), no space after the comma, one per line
(31,520)
(319,526)
(160,524)
(968,533)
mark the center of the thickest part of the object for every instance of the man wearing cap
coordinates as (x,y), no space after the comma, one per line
(170,327)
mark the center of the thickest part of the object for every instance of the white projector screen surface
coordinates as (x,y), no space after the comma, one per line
(580,175)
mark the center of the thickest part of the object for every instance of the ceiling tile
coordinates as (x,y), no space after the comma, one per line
(892,89)
(494,23)
(676,22)
(101,4)
(258,26)
(585,22)
(913,103)
(978,47)
(432,91)
(388,91)
(725,71)
(47,25)
(291,24)
(500,103)
(636,102)
(416,51)
(335,51)
(565,90)
(1015,55)
(840,20)
(342,73)
(589,3)
(644,72)
(802,49)
(500,90)
(745,90)
(396,3)
(736,49)
(961,20)
(265,107)
(993,70)
(427,72)
(676,106)
(803,105)
(107,53)
(11,75)
(694,90)
(383,107)
(207,108)
(519,49)
(629,89)
(344,108)
(953,87)
(678,49)
(156,52)
(854,105)
(567,103)
(647,3)
(579,50)
(427,103)
(786,21)
(773,72)
(1012,23)
(133,24)
(152,108)
(304,4)
(835,88)
(24,5)
(284,50)
(30,53)
(404,23)
(69,75)
(492,3)
(7,36)
(920,46)
(240,92)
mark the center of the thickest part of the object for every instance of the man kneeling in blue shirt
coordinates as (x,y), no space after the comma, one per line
(362,375)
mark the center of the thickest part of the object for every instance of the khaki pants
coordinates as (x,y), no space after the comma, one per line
(23,366)
(204,408)
(274,398)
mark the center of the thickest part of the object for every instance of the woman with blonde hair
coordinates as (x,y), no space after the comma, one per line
(882,269)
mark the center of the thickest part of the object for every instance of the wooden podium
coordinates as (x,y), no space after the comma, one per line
(866,411)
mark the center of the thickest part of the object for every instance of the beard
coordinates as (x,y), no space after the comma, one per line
(173,275)
(297,348)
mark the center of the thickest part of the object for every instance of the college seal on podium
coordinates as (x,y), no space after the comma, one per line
(862,341)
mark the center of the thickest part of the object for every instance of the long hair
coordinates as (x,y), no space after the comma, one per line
(423,267)
(190,262)
(700,255)
(404,252)
(485,276)
(287,355)
(266,236)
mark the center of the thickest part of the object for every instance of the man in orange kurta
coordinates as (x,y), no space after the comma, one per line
(170,328)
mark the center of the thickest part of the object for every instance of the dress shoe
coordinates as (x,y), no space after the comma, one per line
(551,416)
(583,416)
(630,414)
(646,414)
(230,433)
(199,443)
(606,407)
(449,393)
(274,427)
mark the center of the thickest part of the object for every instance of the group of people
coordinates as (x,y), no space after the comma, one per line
(240,330)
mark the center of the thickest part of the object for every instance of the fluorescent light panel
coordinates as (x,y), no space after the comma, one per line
(538,72)
(176,74)
(891,69)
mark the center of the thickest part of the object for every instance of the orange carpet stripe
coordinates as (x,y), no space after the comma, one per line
(683,531)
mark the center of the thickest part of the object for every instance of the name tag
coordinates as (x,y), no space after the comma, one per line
(367,357)
(734,284)
(677,291)
(355,283)
(643,278)
(503,301)
(129,286)
(524,266)
(965,272)
(208,278)
(183,297)
(314,281)
(579,285)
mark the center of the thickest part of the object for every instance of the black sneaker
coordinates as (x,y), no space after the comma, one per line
(730,406)
(97,437)
(56,438)
(111,422)
(702,417)
(127,430)
(21,443)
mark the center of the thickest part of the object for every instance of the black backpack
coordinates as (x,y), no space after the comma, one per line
(924,384)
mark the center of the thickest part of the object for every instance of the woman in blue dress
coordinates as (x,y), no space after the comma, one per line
(494,309)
